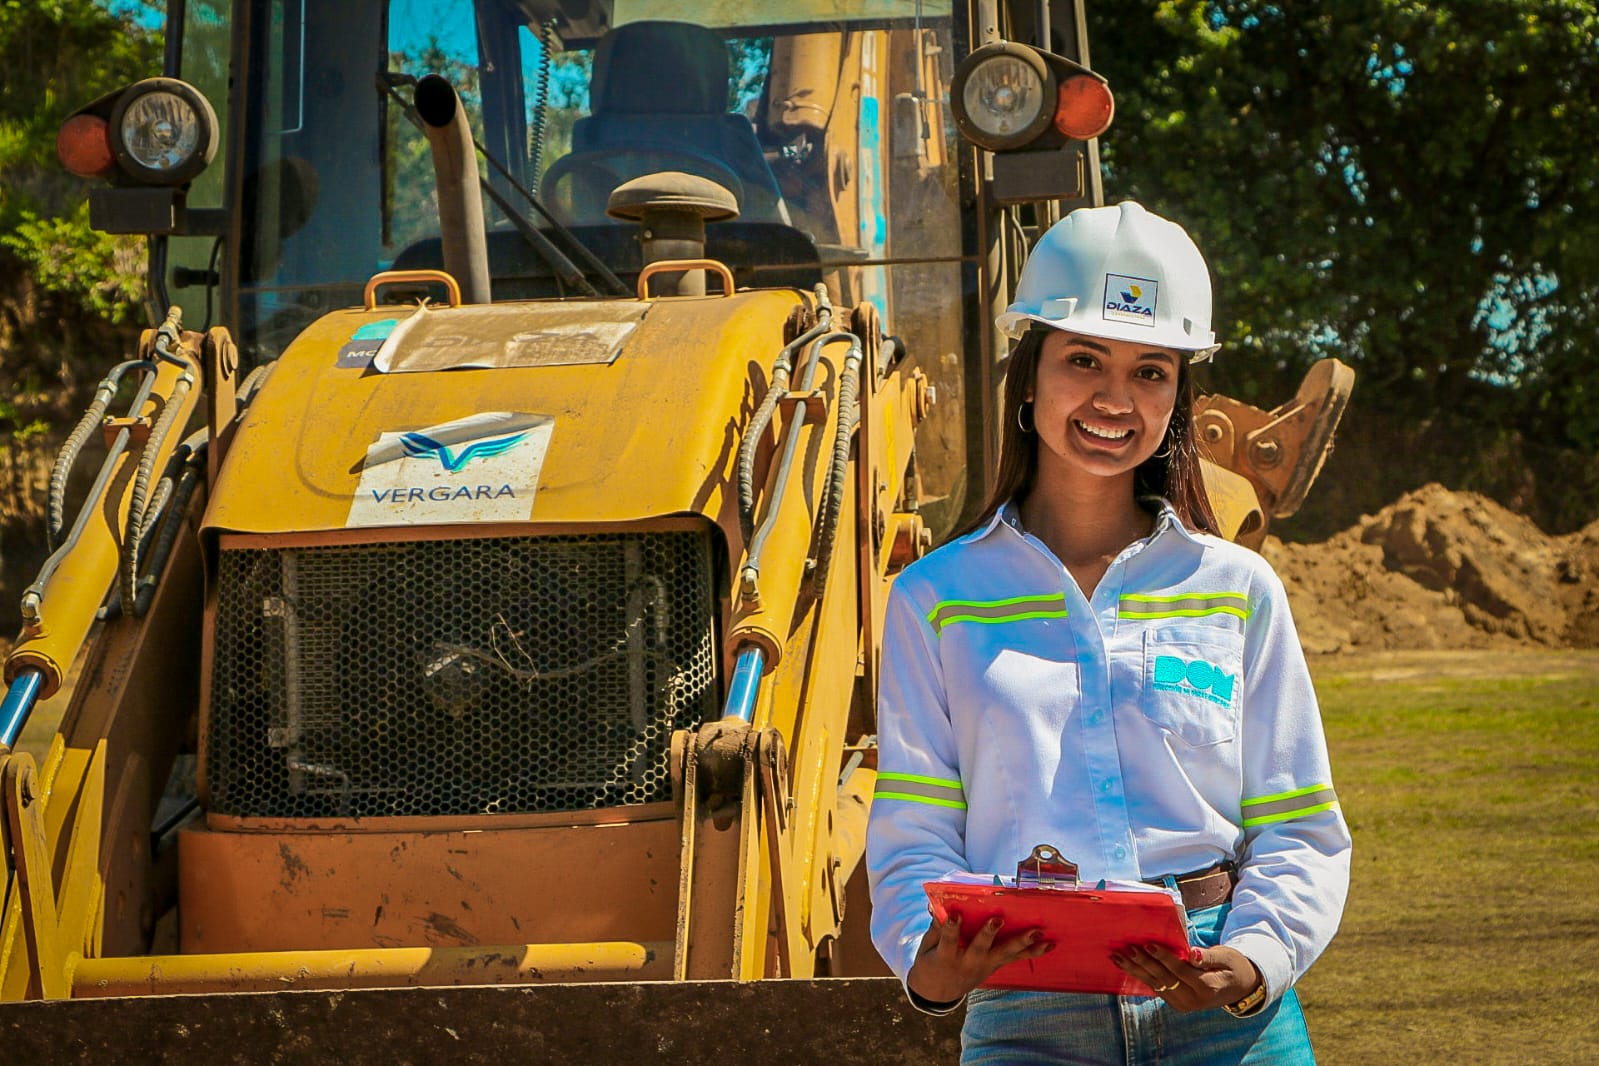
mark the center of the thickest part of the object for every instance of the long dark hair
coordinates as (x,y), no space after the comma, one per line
(1172,472)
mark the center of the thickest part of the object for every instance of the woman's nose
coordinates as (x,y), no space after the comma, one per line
(1113,401)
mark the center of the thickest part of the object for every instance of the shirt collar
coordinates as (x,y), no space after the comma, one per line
(1166,518)
(1006,514)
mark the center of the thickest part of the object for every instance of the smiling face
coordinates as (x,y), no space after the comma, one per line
(1101,407)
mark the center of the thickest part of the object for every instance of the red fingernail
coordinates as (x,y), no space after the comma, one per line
(1196,956)
(1049,947)
(1152,948)
(995,923)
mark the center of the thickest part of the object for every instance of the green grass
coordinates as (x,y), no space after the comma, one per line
(1471,785)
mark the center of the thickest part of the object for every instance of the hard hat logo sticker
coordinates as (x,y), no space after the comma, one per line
(1129,299)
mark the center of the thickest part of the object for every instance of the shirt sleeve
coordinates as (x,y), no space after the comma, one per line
(917,831)
(1294,862)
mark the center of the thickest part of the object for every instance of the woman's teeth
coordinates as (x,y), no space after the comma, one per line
(1104,434)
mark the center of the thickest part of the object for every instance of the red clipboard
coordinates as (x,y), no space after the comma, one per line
(1085,924)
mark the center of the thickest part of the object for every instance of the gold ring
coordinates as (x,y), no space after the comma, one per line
(1168,988)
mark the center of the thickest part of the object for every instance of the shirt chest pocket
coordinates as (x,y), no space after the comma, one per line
(1193,682)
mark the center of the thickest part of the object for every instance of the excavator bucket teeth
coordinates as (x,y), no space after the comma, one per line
(836,1020)
(1325,392)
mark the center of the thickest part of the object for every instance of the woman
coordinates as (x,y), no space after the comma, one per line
(1091,668)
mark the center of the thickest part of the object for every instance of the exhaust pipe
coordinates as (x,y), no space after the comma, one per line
(449,134)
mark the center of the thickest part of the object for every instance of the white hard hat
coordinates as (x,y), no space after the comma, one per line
(1120,273)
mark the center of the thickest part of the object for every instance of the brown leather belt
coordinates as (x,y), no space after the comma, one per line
(1205,888)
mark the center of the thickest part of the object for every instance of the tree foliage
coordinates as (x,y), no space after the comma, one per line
(1409,186)
(60,55)
(63,287)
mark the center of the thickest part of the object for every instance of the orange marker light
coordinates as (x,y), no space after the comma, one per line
(1083,107)
(83,145)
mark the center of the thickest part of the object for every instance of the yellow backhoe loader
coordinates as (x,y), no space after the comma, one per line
(478,599)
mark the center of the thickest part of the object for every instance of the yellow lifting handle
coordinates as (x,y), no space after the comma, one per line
(391,277)
(662,266)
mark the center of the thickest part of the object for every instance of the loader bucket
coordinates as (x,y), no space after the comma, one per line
(780,1022)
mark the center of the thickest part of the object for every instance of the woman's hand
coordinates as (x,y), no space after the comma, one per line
(944,971)
(1199,980)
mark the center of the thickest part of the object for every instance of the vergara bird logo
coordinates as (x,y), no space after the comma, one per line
(420,446)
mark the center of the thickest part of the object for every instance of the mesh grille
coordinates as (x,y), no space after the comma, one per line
(504,675)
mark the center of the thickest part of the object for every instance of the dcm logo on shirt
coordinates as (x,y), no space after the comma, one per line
(1197,678)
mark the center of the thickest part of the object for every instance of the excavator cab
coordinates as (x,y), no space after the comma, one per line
(485,579)
(658,100)
(828,128)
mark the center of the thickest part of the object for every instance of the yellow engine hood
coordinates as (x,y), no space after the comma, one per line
(644,423)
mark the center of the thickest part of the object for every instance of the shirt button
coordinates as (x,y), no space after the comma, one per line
(1120,852)
(1104,786)
(1094,718)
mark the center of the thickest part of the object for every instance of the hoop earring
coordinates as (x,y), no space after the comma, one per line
(1027,425)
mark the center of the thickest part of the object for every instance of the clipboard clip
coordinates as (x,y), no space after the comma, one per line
(1046,866)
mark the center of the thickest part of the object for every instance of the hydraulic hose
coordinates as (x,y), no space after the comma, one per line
(775,391)
(539,96)
(133,538)
(33,595)
(251,383)
(752,439)
(67,458)
(838,471)
(172,500)
(752,558)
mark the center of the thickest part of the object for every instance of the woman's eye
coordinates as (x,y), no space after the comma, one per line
(1152,373)
(1085,361)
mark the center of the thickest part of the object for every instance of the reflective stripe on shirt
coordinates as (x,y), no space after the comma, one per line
(938,791)
(1188,605)
(989,612)
(1285,805)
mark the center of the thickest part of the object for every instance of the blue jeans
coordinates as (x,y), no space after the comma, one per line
(1011,1028)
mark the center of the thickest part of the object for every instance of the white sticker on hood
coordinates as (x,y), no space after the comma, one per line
(483,468)
(1130,299)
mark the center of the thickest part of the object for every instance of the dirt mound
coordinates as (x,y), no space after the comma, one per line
(1442,569)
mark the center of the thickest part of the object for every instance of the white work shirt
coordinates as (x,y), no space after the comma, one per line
(1163,726)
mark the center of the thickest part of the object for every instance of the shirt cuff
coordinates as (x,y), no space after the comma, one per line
(927,1006)
(1270,958)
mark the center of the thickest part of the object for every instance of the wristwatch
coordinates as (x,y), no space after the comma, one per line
(1250,1003)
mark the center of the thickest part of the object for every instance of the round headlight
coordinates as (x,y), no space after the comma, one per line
(161,131)
(164,131)
(1004,96)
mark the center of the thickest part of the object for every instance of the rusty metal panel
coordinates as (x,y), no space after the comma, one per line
(243,892)
(827,1021)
